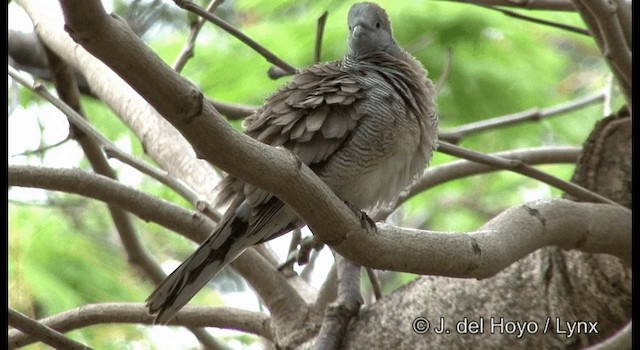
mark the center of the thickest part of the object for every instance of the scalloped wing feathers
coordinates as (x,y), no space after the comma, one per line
(311,116)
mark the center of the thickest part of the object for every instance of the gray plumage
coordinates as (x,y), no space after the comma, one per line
(365,124)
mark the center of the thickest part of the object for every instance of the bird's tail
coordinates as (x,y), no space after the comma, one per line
(193,274)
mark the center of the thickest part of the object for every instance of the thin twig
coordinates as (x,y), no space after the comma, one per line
(524,169)
(444,173)
(192,7)
(196,26)
(41,332)
(454,135)
(41,150)
(532,19)
(552,5)
(233,111)
(322,20)
(165,178)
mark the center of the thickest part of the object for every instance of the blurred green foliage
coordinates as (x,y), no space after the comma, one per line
(66,257)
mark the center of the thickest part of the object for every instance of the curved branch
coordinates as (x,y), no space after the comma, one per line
(622,339)
(162,141)
(588,227)
(41,332)
(190,316)
(182,104)
(149,208)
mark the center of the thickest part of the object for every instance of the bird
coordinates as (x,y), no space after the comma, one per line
(366,125)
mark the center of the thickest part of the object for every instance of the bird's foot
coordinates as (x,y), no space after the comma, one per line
(365,221)
(302,254)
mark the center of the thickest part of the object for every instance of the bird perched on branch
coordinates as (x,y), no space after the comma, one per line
(365,124)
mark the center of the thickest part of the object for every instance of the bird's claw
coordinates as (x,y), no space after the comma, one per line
(365,221)
(303,253)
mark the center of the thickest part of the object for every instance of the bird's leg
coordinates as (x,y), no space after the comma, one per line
(302,254)
(365,221)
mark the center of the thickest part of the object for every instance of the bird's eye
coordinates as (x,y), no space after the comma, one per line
(349,27)
(377,24)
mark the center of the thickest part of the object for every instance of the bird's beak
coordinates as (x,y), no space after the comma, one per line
(357,31)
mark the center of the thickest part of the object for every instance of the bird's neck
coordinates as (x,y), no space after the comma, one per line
(393,50)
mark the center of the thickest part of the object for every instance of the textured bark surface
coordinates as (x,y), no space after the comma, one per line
(548,285)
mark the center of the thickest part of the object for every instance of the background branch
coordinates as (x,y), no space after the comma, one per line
(609,23)
(188,49)
(456,134)
(268,55)
(553,5)
(440,174)
(147,207)
(190,316)
(524,169)
(41,332)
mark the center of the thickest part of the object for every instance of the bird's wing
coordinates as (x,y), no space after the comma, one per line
(312,116)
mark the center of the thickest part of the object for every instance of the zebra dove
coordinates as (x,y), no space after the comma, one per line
(365,124)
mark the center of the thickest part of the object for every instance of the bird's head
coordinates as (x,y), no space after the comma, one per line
(369,30)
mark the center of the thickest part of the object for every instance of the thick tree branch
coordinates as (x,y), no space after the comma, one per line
(588,227)
(190,316)
(621,340)
(346,307)
(160,140)
(177,100)
(275,170)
